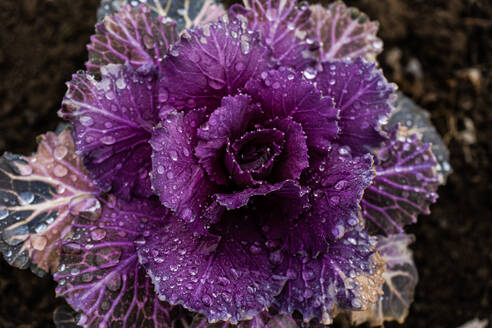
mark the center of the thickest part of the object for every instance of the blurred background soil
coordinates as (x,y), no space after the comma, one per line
(438,51)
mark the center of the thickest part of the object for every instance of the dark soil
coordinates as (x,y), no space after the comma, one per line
(439,52)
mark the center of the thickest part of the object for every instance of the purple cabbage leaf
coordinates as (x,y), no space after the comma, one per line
(363,96)
(113,120)
(132,35)
(99,274)
(405,184)
(284,27)
(344,33)
(417,121)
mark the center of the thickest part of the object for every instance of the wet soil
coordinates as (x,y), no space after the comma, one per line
(440,54)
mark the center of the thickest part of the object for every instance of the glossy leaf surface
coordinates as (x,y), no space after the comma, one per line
(39,195)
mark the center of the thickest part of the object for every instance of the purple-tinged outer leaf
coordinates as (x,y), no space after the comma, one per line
(284,25)
(405,184)
(112,121)
(337,182)
(400,279)
(225,278)
(211,62)
(177,177)
(344,33)
(417,120)
(364,98)
(132,35)
(347,275)
(186,13)
(284,93)
(38,195)
(99,274)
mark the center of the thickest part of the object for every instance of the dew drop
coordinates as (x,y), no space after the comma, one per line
(334,200)
(309,73)
(108,140)
(163,95)
(26,197)
(40,228)
(98,234)
(240,66)
(174,155)
(24,169)
(4,212)
(139,241)
(60,152)
(187,213)
(352,221)
(217,85)
(86,277)
(254,249)
(245,46)
(39,242)
(110,95)
(60,171)
(341,184)
(160,169)
(114,284)
(338,231)
(120,83)
(223,281)
(276,257)
(377,45)
(105,305)
(86,121)
(356,303)
(270,14)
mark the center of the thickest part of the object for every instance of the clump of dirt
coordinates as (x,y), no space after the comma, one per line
(438,52)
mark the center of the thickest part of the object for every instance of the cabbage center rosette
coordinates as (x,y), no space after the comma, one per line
(260,158)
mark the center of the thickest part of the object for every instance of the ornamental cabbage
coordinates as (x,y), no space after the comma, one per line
(234,167)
